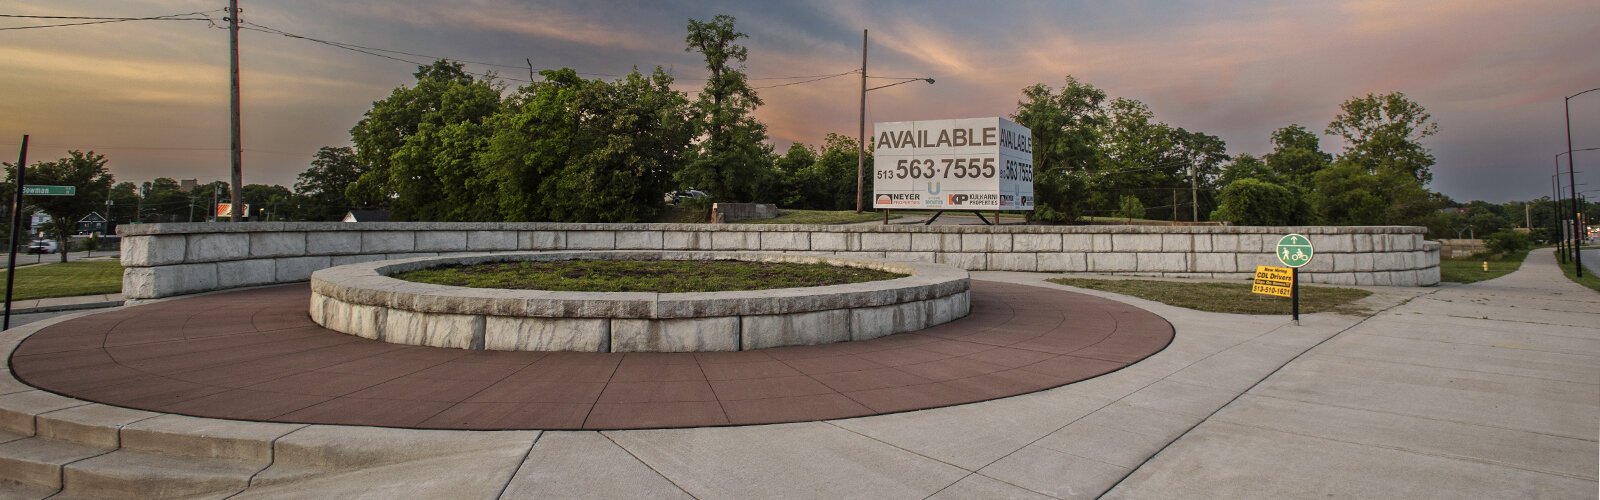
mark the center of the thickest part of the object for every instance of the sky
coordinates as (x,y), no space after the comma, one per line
(153,95)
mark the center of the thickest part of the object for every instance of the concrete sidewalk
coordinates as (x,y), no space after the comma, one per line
(1490,390)
(66,303)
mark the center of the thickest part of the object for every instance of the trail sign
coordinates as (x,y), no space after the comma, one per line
(42,190)
(1275,281)
(1294,250)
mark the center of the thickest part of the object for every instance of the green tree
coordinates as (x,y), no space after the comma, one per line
(1202,156)
(1385,133)
(1246,166)
(419,143)
(322,188)
(267,202)
(1129,207)
(87,172)
(124,200)
(1066,126)
(787,168)
(1134,158)
(829,183)
(1296,155)
(732,158)
(1255,202)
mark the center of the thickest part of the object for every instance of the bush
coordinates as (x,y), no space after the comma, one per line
(1507,242)
(1130,207)
(1255,202)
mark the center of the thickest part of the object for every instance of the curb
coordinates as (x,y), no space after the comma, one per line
(66,307)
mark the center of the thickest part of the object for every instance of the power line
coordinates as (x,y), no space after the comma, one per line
(851,72)
(88,20)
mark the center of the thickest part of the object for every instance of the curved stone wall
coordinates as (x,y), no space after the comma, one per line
(163,260)
(363,300)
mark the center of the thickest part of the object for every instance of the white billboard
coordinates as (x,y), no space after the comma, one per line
(960,164)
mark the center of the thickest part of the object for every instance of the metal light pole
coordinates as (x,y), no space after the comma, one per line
(861,131)
(1577,241)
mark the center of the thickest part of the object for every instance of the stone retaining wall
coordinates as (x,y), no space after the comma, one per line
(163,260)
(363,300)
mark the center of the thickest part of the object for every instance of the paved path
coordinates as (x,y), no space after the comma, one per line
(1489,390)
(254,355)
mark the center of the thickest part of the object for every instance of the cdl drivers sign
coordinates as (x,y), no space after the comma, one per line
(961,164)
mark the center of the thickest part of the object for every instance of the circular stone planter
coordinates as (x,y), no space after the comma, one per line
(362,300)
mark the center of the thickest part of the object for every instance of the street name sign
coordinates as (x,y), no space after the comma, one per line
(1294,250)
(43,190)
(1274,281)
(960,164)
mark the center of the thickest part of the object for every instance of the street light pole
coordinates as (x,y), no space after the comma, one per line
(861,132)
(1577,232)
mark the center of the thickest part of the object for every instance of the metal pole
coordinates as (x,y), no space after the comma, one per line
(16,223)
(1555,213)
(233,70)
(1572,183)
(1294,293)
(861,132)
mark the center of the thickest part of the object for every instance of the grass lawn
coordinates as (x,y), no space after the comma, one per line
(666,276)
(1232,298)
(1470,269)
(1589,279)
(71,279)
(787,216)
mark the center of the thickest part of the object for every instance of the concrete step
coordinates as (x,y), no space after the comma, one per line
(130,474)
(36,462)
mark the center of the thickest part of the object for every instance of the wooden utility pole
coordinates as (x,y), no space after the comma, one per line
(1194,196)
(16,224)
(233,70)
(861,133)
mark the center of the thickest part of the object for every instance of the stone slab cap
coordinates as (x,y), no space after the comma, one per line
(360,227)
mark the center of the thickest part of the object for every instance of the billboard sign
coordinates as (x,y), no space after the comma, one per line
(225,209)
(959,164)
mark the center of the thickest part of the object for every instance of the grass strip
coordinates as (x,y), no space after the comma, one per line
(787,216)
(1231,298)
(666,276)
(1571,270)
(1471,269)
(71,279)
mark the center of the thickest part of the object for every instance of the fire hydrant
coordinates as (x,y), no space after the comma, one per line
(1486,266)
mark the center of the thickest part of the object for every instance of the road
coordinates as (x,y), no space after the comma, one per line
(23,258)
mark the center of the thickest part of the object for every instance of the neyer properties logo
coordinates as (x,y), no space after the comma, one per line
(900,199)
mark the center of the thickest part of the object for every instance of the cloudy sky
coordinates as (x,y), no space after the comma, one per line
(153,97)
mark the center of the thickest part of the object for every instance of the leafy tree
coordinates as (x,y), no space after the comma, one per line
(1200,155)
(1134,157)
(87,172)
(731,160)
(787,168)
(1246,166)
(418,145)
(1296,155)
(1129,207)
(1255,202)
(1385,133)
(1066,126)
(1347,194)
(267,201)
(322,188)
(829,183)
(1507,242)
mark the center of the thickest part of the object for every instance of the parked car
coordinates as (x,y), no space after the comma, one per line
(42,246)
(673,197)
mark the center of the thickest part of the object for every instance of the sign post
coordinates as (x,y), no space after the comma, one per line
(1294,250)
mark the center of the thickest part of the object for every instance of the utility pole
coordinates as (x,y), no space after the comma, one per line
(861,133)
(1194,196)
(16,224)
(233,69)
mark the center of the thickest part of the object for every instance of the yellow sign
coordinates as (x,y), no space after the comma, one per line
(1273,280)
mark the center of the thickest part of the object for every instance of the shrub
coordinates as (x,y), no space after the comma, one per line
(1507,242)
(1130,207)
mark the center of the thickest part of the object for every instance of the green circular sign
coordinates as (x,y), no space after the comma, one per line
(1294,250)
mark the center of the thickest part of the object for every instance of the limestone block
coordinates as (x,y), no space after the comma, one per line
(971,243)
(1428,276)
(1342,262)
(1113,262)
(968,261)
(1337,278)
(1257,243)
(405,327)
(145,251)
(675,335)
(435,241)
(316,307)
(1036,243)
(1202,242)
(1405,278)
(541,240)
(1136,242)
(212,247)
(735,240)
(1215,263)
(1365,279)
(139,283)
(274,244)
(1331,243)
(484,241)
(933,242)
(185,278)
(1069,262)
(546,334)
(1365,262)
(339,260)
(365,321)
(872,322)
(684,240)
(333,242)
(946,309)
(812,328)
(1404,242)
(639,240)
(929,257)
(1162,262)
(246,273)
(886,242)
(591,240)
(409,255)
(1228,243)
(1013,262)
(1361,243)
(1320,263)
(835,242)
(1388,261)
(1249,261)
(1383,278)
(1177,243)
(459,331)
(300,268)
(1099,243)
(388,241)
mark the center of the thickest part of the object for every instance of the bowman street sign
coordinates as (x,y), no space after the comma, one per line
(42,190)
(1294,250)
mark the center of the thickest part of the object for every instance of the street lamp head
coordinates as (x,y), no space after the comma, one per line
(929,80)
